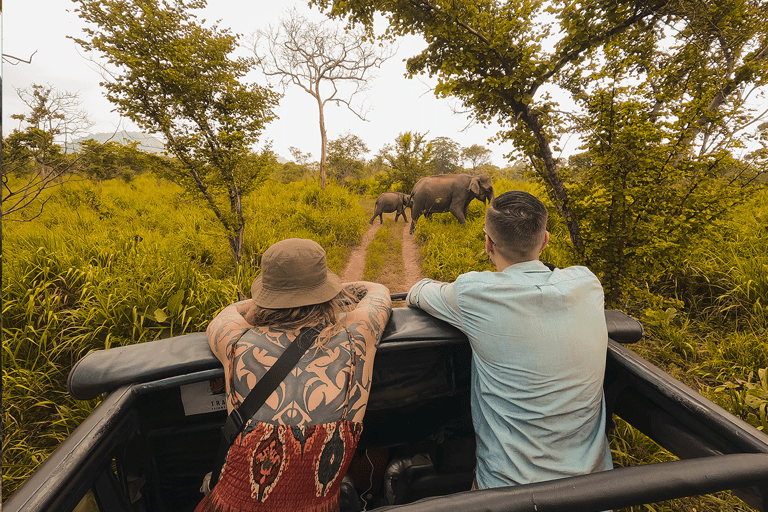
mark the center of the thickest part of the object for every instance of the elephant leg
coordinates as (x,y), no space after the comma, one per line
(414,218)
(458,212)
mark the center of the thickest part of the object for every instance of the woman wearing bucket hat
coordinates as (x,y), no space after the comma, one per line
(293,452)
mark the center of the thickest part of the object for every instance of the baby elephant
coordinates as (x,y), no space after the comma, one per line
(389,202)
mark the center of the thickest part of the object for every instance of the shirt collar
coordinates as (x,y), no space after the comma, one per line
(527,266)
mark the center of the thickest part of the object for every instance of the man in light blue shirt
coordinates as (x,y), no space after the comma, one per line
(539,342)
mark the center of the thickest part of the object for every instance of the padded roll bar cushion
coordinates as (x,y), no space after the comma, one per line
(104,370)
(622,328)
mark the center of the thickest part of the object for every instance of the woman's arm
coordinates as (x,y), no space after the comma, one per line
(227,327)
(370,316)
(365,325)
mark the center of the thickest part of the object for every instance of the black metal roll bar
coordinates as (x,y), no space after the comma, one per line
(617,488)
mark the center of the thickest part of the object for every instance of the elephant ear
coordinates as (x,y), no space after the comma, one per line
(474,186)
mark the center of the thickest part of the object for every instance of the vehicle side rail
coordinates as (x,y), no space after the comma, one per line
(81,460)
(621,487)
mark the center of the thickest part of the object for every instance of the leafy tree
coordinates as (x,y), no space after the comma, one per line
(445,155)
(330,64)
(38,163)
(345,158)
(115,160)
(31,152)
(579,165)
(477,155)
(662,90)
(172,76)
(290,172)
(408,159)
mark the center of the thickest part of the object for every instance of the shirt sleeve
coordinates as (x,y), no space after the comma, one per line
(437,299)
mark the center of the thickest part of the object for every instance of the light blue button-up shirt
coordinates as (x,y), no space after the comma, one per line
(539,344)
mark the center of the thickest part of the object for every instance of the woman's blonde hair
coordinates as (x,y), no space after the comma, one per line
(326,313)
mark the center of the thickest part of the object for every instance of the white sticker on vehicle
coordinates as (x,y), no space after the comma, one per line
(203,397)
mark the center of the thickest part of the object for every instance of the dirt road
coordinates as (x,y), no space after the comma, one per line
(411,261)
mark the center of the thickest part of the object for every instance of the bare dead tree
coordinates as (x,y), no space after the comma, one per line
(13,61)
(27,193)
(56,112)
(326,61)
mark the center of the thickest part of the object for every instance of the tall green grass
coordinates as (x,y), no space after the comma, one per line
(115,264)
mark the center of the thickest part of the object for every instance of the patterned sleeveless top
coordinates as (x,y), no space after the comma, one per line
(284,467)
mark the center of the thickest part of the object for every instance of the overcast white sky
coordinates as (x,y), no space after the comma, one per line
(398,104)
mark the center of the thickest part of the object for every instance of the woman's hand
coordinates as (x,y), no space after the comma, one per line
(359,289)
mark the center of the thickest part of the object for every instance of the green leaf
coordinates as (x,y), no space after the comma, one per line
(160,315)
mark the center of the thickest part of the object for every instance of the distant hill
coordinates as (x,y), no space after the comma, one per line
(147,143)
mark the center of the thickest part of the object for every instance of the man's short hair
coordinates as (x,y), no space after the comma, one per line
(517,221)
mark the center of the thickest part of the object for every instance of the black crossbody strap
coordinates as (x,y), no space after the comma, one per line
(266,386)
(259,394)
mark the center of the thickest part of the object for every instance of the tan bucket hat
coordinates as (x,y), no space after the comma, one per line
(294,272)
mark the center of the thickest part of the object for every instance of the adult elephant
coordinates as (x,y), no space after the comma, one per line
(389,202)
(448,193)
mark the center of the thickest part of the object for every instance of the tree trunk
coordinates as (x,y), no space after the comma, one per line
(552,177)
(323,142)
(236,241)
(236,244)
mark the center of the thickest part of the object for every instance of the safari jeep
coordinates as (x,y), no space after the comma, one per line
(148,445)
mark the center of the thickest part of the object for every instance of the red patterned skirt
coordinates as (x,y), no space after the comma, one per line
(280,467)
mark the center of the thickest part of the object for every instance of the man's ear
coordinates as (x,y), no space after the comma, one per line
(489,248)
(546,240)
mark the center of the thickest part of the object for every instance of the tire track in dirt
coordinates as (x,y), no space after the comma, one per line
(410,254)
(411,259)
(354,269)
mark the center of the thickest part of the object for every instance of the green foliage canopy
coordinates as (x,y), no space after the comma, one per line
(172,76)
(115,160)
(477,155)
(346,158)
(408,160)
(662,93)
(445,155)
